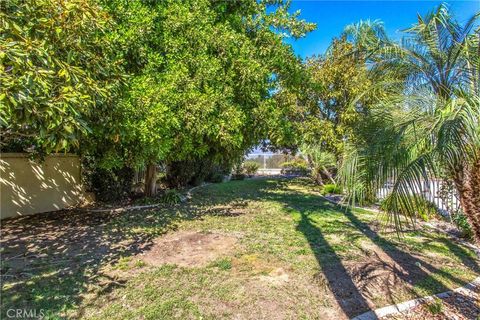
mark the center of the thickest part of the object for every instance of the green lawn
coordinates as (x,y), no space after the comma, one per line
(296,257)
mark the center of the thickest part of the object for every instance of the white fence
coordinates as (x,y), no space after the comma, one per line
(431,191)
(269,163)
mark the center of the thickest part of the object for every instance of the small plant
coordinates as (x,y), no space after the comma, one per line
(435,307)
(297,166)
(237,171)
(223,264)
(250,167)
(123,263)
(139,263)
(172,196)
(463,225)
(331,189)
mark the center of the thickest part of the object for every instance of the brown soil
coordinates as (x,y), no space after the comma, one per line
(188,249)
(276,277)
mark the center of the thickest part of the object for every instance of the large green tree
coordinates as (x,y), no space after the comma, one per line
(200,80)
(56,69)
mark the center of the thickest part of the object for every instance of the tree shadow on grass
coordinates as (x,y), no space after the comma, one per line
(49,261)
(348,296)
(461,254)
(344,284)
(417,271)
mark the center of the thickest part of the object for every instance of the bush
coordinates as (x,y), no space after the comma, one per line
(195,172)
(463,225)
(216,178)
(331,189)
(250,167)
(296,167)
(172,196)
(110,185)
(423,208)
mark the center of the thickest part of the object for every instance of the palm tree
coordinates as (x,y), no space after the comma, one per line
(322,162)
(429,130)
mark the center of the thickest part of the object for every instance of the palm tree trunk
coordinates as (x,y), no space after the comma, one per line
(467,182)
(151,180)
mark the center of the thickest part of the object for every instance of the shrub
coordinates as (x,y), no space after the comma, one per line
(331,189)
(195,172)
(424,209)
(250,167)
(297,167)
(463,225)
(216,178)
(172,196)
(110,185)
(237,176)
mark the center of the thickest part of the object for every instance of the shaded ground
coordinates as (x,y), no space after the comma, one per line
(460,306)
(263,248)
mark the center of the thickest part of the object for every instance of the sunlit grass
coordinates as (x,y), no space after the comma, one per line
(285,231)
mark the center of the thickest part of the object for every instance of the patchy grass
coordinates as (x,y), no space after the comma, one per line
(298,256)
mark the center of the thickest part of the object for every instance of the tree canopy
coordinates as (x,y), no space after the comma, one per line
(57,67)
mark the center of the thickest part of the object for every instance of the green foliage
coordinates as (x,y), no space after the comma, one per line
(57,68)
(223,264)
(463,225)
(216,178)
(250,167)
(338,79)
(297,166)
(429,130)
(195,86)
(436,306)
(171,197)
(423,208)
(108,184)
(237,173)
(331,189)
(322,163)
(199,77)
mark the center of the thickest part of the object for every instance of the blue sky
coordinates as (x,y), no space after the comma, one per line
(332,16)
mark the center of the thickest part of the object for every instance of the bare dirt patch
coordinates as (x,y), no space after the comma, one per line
(276,277)
(189,249)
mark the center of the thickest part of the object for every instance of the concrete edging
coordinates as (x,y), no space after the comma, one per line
(407,305)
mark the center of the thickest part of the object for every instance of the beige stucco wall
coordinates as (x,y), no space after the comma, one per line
(28,187)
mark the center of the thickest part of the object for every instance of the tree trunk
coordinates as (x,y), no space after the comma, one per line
(327,173)
(317,176)
(151,180)
(467,183)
